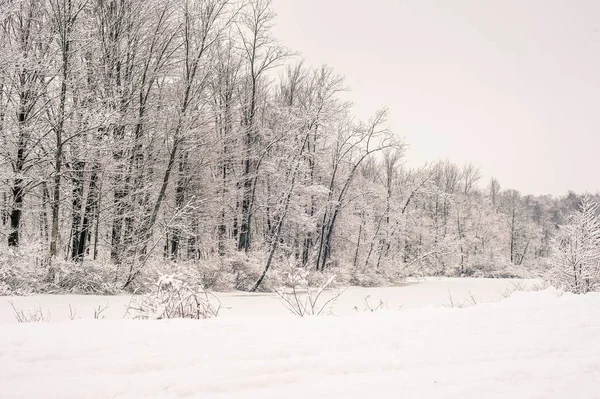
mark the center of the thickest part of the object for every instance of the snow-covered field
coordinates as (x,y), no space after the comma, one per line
(414,293)
(532,345)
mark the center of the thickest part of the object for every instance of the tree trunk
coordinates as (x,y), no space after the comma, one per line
(180,190)
(15,214)
(18,188)
(76,227)
(91,205)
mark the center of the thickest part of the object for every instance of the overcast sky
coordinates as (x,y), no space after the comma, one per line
(511,85)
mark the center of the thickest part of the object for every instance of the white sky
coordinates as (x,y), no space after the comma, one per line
(511,85)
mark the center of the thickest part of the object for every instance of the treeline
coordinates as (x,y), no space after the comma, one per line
(182,132)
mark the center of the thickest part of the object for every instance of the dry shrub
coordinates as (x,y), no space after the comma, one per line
(368,306)
(34,315)
(303,299)
(173,298)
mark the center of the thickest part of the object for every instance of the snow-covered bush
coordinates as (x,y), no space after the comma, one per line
(86,278)
(510,271)
(575,260)
(214,274)
(369,279)
(173,298)
(19,281)
(22,271)
(338,276)
(246,269)
(303,299)
(237,271)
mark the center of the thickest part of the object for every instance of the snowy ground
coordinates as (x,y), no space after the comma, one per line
(532,345)
(426,292)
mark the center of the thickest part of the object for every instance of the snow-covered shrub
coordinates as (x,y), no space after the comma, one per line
(22,271)
(19,281)
(247,269)
(237,271)
(86,278)
(242,271)
(315,279)
(511,271)
(173,298)
(214,274)
(303,299)
(575,260)
(369,279)
(5,289)
(145,281)
(192,272)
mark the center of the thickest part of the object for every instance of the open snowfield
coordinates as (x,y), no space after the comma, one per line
(531,345)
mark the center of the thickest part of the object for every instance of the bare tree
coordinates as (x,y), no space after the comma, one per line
(354,145)
(261,53)
(494,191)
(25,30)
(470,177)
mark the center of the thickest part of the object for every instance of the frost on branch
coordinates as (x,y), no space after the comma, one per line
(575,262)
(174,298)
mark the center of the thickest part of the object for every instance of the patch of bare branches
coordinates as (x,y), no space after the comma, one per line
(174,298)
(305,299)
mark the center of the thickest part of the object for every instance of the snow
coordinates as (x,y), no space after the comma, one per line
(413,293)
(531,345)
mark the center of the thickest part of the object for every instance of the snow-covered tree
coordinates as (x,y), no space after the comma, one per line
(136,135)
(576,254)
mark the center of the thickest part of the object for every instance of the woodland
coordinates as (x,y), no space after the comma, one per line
(143,137)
